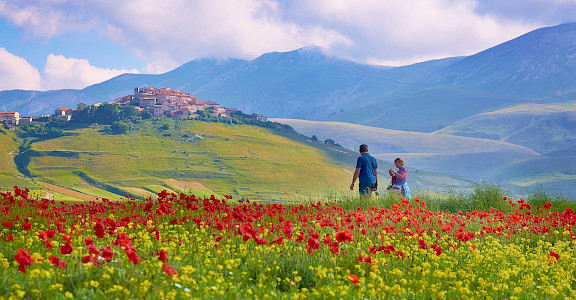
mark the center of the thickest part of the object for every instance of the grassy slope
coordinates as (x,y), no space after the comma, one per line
(514,166)
(244,160)
(381,140)
(541,127)
(9,175)
(549,129)
(396,141)
(460,156)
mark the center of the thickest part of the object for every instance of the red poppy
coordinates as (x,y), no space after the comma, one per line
(437,248)
(26,225)
(366,259)
(92,249)
(7,224)
(107,253)
(169,270)
(9,237)
(287,229)
(313,244)
(260,241)
(354,279)
(278,240)
(553,254)
(345,236)
(24,259)
(131,254)
(57,262)
(67,248)
(547,205)
(423,244)
(300,237)
(162,255)
(99,230)
(387,249)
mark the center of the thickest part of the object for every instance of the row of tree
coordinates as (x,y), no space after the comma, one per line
(109,114)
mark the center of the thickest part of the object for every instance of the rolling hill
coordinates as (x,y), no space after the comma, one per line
(462,156)
(516,167)
(200,157)
(192,156)
(9,175)
(546,128)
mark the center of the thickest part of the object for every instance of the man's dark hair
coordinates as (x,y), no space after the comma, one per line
(363,148)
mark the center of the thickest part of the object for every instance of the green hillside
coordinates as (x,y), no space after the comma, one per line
(193,156)
(9,175)
(544,128)
(516,167)
(397,141)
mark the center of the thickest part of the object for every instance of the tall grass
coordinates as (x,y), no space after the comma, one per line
(482,196)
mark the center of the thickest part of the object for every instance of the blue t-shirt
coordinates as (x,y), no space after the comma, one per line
(367,172)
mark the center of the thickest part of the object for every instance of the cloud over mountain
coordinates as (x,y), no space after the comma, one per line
(59,73)
(171,32)
(17,73)
(66,73)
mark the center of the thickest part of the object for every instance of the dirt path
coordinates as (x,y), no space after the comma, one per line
(186,185)
(139,192)
(69,192)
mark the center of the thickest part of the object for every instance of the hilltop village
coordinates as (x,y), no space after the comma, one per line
(160,102)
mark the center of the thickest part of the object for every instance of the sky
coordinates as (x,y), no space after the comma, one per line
(60,44)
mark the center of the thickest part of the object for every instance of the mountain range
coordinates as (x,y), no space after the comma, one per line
(520,92)
(538,67)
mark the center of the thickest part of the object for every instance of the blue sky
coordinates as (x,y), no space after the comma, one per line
(52,44)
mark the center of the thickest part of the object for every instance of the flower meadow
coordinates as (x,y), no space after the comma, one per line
(179,246)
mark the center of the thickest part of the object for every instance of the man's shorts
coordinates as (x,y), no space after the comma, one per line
(366,188)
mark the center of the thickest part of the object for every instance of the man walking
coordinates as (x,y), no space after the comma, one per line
(366,172)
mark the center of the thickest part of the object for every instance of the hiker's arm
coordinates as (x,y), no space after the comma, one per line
(376,171)
(400,176)
(356,173)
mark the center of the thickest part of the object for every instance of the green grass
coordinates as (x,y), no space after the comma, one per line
(514,166)
(479,196)
(396,141)
(246,161)
(9,175)
(542,127)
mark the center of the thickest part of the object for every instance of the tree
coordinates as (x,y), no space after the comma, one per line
(120,127)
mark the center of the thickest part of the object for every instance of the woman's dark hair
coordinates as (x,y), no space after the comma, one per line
(363,148)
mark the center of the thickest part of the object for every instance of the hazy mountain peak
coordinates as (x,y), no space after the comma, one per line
(534,64)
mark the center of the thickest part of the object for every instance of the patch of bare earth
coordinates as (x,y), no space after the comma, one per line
(69,192)
(187,185)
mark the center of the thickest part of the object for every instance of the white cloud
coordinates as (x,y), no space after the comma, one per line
(408,31)
(59,73)
(17,73)
(170,32)
(47,18)
(72,73)
(176,30)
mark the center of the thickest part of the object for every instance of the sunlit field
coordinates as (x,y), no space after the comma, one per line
(177,246)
